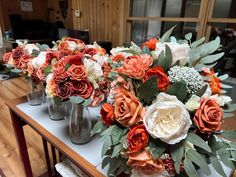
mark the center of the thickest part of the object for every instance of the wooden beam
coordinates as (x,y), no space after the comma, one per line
(167,19)
(222,20)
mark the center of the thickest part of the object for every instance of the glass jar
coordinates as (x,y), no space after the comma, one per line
(35,92)
(58,110)
(80,124)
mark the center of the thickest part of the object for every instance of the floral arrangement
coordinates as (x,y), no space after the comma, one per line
(165,109)
(80,77)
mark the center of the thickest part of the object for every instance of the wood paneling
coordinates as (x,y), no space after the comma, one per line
(103,18)
(55,14)
(13,7)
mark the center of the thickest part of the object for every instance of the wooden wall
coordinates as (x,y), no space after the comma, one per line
(105,19)
(13,7)
(55,13)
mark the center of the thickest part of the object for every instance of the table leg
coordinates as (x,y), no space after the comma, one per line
(45,147)
(20,138)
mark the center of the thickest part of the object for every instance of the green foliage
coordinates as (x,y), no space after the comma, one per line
(212,58)
(35,53)
(178,89)
(177,152)
(165,59)
(188,36)
(189,168)
(148,91)
(135,47)
(199,160)
(201,91)
(47,70)
(67,66)
(146,50)
(157,147)
(57,100)
(197,43)
(217,166)
(225,156)
(15,70)
(166,36)
(133,52)
(197,141)
(98,127)
(230,134)
(80,100)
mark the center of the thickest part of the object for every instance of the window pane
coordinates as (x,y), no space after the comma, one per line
(224,9)
(165,8)
(141,31)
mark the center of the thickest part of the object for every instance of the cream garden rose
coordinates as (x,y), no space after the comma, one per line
(167,119)
(179,52)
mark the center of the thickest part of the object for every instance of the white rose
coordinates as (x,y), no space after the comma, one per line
(179,51)
(101,59)
(221,100)
(39,60)
(94,71)
(167,119)
(30,47)
(138,173)
(118,50)
(72,45)
(193,103)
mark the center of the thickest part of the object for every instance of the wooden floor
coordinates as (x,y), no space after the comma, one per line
(10,162)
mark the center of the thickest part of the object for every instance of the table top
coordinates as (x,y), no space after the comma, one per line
(87,157)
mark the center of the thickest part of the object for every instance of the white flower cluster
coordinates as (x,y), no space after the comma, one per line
(192,78)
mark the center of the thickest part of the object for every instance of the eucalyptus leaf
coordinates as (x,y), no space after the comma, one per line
(195,157)
(133,52)
(146,50)
(189,168)
(226,86)
(173,39)
(15,70)
(197,43)
(223,77)
(201,91)
(135,47)
(157,148)
(197,141)
(116,134)
(87,102)
(231,134)
(217,166)
(106,145)
(177,154)
(47,70)
(212,58)
(57,100)
(165,58)
(178,89)
(76,99)
(151,86)
(117,150)
(97,127)
(188,36)
(166,36)
(35,53)
(225,158)
(114,165)
(212,46)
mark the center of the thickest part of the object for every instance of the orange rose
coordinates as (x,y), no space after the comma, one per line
(143,161)
(163,81)
(137,138)
(151,43)
(76,72)
(208,117)
(213,81)
(135,66)
(127,108)
(118,57)
(107,114)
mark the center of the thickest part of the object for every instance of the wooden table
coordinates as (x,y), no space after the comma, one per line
(86,157)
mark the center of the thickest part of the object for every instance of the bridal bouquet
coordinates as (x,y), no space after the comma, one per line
(165,109)
(80,77)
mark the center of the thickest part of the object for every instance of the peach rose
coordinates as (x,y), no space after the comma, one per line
(7,56)
(127,108)
(107,114)
(97,97)
(208,117)
(144,162)
(76,72)
(136,66)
